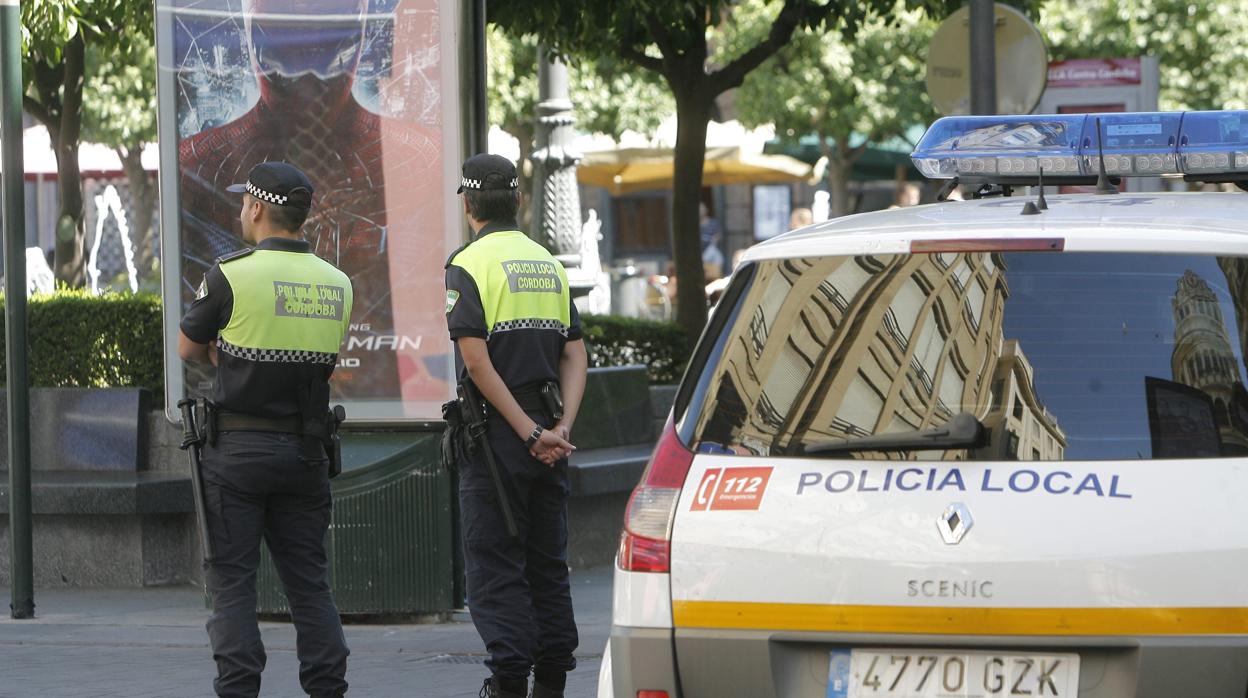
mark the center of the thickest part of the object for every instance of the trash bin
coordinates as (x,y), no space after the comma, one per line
(390,546)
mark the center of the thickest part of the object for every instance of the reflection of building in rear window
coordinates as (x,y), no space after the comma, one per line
(825,363)
(975,302)
(904,311)
(844,283)
(788,374)
(1030,427)
(861,406)
(961,274)
(1203,356)
(952,383)
(768,311)
(790,364)
(926,361)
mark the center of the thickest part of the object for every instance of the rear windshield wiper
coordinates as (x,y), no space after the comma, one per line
(963,431)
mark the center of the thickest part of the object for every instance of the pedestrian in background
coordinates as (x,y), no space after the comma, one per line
(271,319)
(712,256)
(518,339)
(800,218)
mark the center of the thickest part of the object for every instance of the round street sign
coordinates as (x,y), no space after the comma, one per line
(1022,63)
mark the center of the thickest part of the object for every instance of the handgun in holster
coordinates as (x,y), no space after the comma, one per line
(319,442)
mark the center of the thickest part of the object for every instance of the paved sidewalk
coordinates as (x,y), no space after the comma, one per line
(151,643)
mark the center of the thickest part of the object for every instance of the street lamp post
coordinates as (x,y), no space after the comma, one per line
(12,172)
(983,57)
(556,199)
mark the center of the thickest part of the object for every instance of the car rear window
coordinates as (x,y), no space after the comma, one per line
(1060,356)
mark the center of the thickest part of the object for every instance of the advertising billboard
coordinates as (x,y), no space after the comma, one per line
(362,95)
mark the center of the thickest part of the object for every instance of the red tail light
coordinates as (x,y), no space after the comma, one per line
(645,545)
(651,694)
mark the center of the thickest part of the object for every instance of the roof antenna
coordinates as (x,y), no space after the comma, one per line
(1103,185)
(1033,209)
(1040,202)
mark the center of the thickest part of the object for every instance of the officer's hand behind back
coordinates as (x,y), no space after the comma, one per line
(551,448)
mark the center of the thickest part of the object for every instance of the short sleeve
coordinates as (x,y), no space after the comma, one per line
(574,323)
(348,308)
(211,309)
(465,315)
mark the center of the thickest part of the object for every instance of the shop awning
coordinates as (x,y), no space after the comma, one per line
(626,170)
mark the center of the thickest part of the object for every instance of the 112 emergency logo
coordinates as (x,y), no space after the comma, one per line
(732,489)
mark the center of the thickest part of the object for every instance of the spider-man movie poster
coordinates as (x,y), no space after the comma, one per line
(359,95)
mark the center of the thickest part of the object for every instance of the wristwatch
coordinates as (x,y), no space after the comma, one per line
(537,434)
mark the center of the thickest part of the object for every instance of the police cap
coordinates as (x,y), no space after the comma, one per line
(277,183)
(487,171)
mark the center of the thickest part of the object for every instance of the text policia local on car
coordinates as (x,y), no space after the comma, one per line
(1056,482)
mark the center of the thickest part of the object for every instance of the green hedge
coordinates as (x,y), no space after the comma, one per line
(616,341)
(77,339)
(116,340)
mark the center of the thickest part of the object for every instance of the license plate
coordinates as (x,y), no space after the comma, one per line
(860,673)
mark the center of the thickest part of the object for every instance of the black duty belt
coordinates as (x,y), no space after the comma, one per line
(237,421)
(531,402)
(531,399)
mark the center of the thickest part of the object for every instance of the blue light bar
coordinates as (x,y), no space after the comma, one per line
(1205,145)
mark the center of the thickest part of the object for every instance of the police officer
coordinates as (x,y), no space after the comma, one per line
(271,319)
(518,337)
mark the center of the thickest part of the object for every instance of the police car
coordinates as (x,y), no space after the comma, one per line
(995,447)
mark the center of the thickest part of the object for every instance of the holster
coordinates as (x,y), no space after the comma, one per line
(333,442)
(319,444)
(454,446)
(208,423)
(552,399)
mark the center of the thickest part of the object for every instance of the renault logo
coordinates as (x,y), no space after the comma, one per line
(954,523)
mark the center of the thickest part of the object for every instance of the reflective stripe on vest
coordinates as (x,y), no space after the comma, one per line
(288,306)
(521,285)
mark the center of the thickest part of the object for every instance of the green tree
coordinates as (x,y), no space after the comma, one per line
(55,37)
(594,87)
(1200,43)
(672,38)
(119,111)
(868,89)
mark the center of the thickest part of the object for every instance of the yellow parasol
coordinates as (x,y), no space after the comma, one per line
(627,170)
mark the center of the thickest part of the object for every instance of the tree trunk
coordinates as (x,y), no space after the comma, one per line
(525,216)
(143,197)
(693,110)
(838,188)
(70,263)
(839,168)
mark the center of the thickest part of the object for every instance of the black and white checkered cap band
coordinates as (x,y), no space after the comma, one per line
(277,355)
(476,183)
(265,196)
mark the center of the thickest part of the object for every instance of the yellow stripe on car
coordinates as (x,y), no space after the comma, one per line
(947,620)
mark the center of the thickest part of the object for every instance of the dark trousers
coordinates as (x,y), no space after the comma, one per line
(255,487)
(518,590)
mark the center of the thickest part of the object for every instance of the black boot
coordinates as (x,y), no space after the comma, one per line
(493,689)
(540,691)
